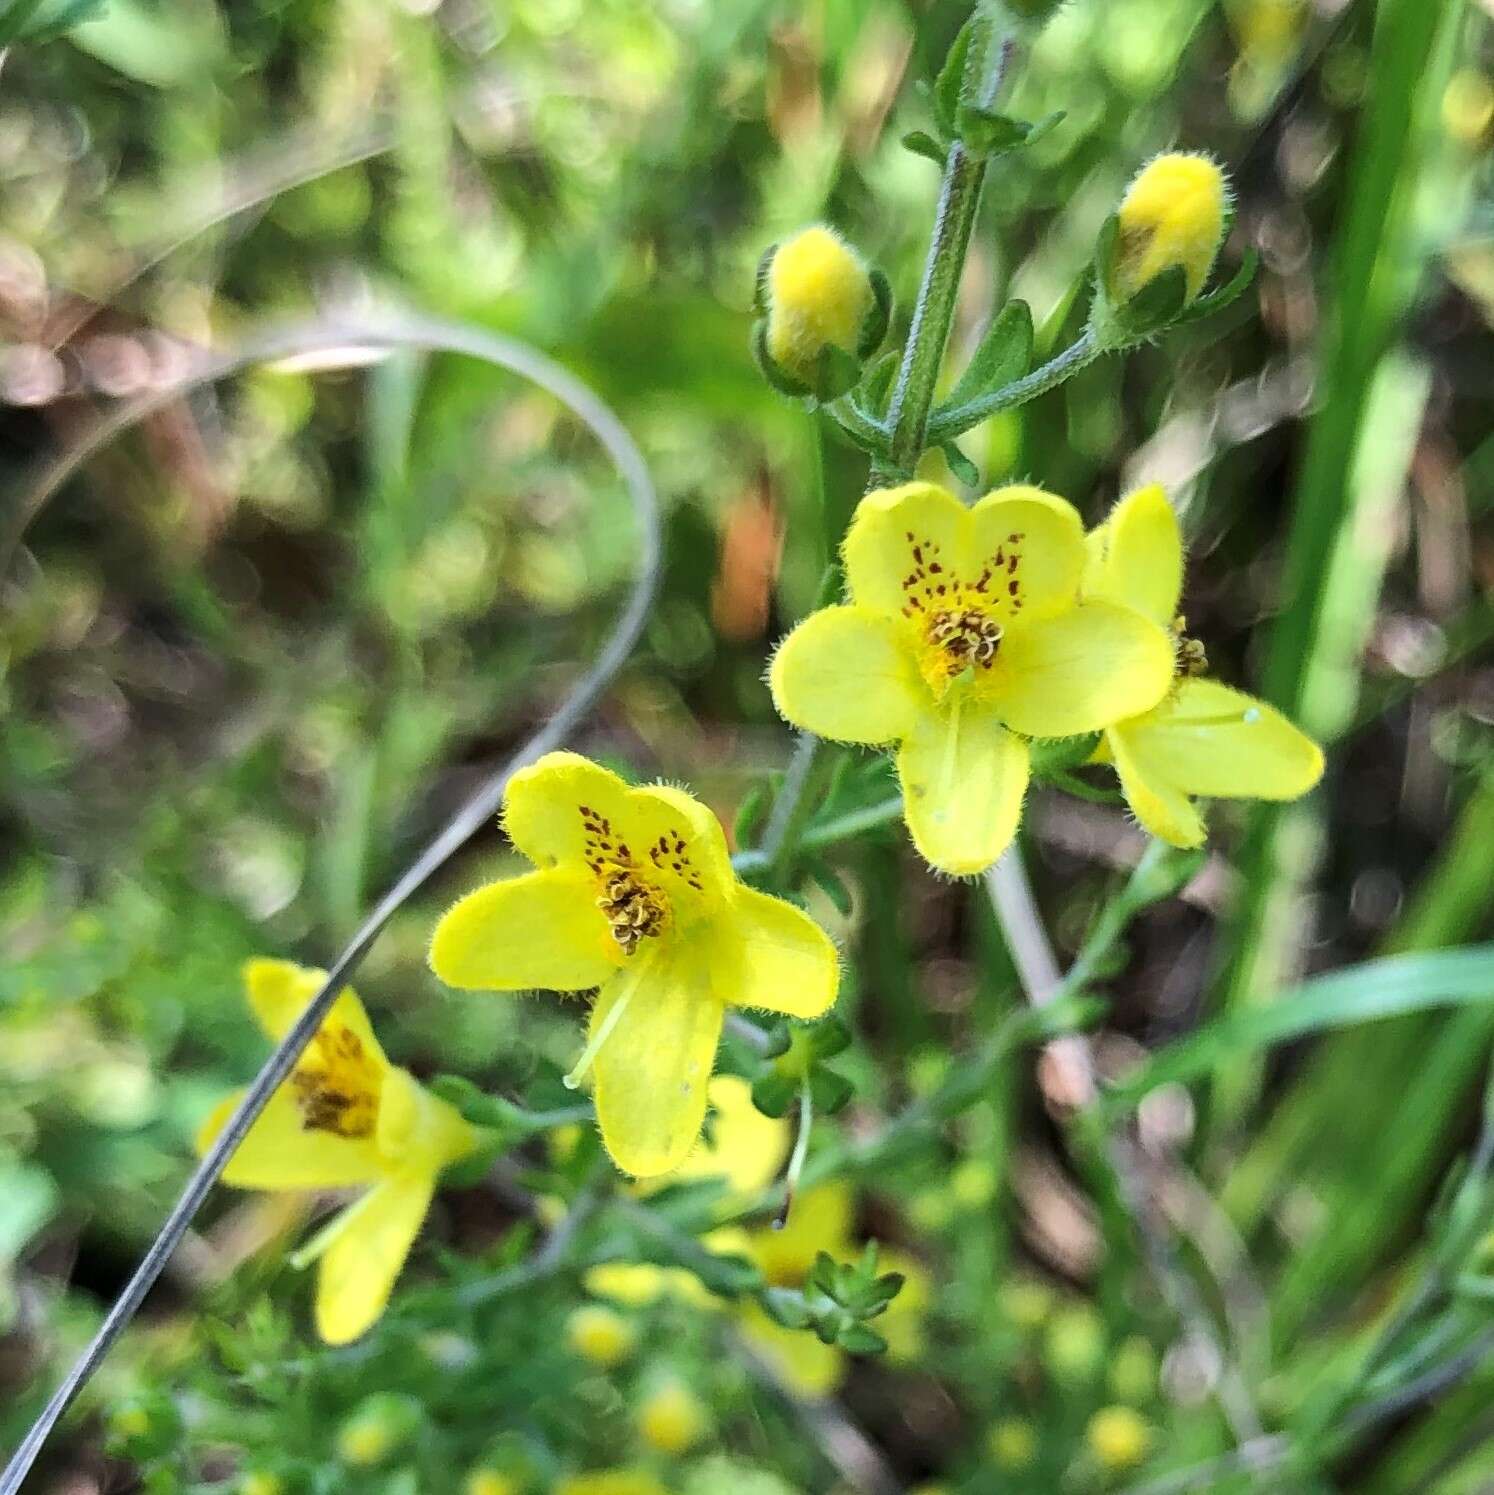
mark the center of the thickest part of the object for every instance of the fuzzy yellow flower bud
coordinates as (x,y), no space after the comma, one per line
(818,293)
(1468,106)
(600,1335)
(1074,1343)
(261,1482)
(1171,214)
(821,310)
(671,1420)
(129,1421)
(1118,1437)
(1132,1372)
(1013,1444)
(490,1482)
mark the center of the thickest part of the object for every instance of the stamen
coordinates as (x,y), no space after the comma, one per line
(629,980)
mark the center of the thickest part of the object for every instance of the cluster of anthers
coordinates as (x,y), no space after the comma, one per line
(634,908)
(966,634)
(1193,658)
(337,1090)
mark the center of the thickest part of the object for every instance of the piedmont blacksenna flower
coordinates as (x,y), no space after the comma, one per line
(347,1117)
(963,635)
(632,892)
(1203,738)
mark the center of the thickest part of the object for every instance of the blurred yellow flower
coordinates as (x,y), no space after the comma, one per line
(1203,738)
(633,893)
(600,1335)
(611,1482)
(260,1482)
(490,1482)
(1013,1444)
(821,1220)
(1171,214)
(1468,105)
(672,1420)
(964,634)
(1118,1437)
(818,294)
(346,1117)
(380,1425)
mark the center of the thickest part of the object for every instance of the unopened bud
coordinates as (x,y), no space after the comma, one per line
(821,312)
(1172,214)
(1012,1444)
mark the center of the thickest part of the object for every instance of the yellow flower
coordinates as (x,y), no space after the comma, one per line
(1171,214)
(746,1148)
(490,1482)
(345,1118)
(818,295)
(600,1335)
(672,1420)
(611,1482)
(1013,1444)
(964,635)
(383,1423)
(633,893)
(1203,738)
(1118,1437)
(819,1221)
(260,1482)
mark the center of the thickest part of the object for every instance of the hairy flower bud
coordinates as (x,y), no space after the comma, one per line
(381,1424)
(822,311)
(1013,1444)
(1171,214)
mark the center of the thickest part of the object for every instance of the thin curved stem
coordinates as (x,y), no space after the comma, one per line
(394,330)
(945,425)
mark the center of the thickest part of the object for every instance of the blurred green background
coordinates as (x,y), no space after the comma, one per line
(260,647)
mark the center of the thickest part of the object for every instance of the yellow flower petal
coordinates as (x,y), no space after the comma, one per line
(417,1129)
(542,929)
(280,1152)
(1136,556)
(652,1069)
(1209,739)
(1162,808)
(797,1357)
(963,777)
(746,1148)
(359,1266)
(279,991)
(1081,671)
(784,961)
(897,532)
(916,551)
(1030,540)
(820,1220)
(849,674)
(549,804)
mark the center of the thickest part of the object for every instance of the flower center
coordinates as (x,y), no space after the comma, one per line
(337,1085)
(966,634)
(633,908)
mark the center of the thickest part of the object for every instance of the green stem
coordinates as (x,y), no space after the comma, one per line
(933,312)
(947,424)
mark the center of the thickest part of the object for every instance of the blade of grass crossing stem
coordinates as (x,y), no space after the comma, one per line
(1358,994)
(1377,267)
(1373,1179)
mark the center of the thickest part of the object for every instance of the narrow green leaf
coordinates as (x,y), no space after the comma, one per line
(921,143)
(1004,354)
(961,465)
(1360,994)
